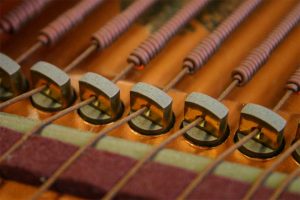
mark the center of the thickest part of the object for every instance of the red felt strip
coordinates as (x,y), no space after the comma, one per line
(96,171)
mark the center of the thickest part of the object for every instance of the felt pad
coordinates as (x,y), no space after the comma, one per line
(97,171)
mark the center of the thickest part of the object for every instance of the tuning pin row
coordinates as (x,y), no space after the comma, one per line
(158,118)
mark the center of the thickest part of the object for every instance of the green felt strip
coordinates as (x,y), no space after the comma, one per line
(136,150)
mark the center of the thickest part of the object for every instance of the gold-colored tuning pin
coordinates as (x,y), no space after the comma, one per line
(58,93)
(213,130)
(12,80)
(269,141)
(108,107)
(296,153)
(159,117)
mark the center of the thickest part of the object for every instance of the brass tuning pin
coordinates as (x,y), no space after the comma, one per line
(269,141)
(296,153)
(58,93)
(213,130)
(108,106)
(159,117)
(12,81)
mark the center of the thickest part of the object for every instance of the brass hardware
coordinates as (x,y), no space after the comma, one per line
(58,94)
(213,130)
(107,107)
(270,140)
(12,80)
(159,117)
